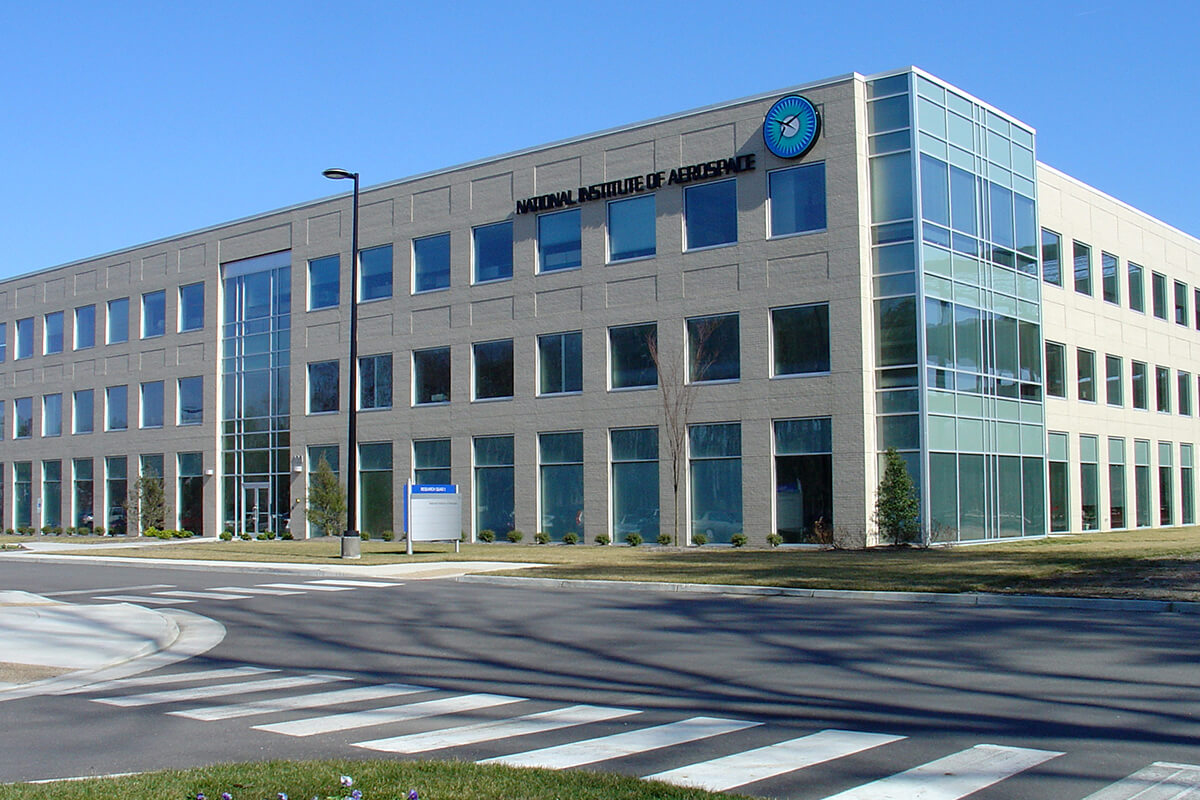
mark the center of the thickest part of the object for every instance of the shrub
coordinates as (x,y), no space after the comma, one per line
(270,534)
(286,536)
(633,539)
(541,537)
(226,536)
(98,530)
(664,538)
(245,537)
(262,537)
(602,539)
(514,536)
(366,537)
(699,539)
(487,535)
(774,539)
(9,531)
(738,540)
(570,537)
(896,507)
(388,536)
(46,530)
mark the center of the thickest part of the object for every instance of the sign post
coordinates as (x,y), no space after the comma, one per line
(432,513)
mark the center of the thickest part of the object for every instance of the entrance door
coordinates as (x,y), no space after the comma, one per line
(257,507)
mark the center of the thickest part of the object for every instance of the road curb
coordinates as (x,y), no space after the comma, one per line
(920,598)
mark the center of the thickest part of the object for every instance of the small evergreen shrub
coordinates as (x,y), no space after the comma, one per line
(774,539)
(98,530)
(664,538)
(366,537)
(262,537)
(699,539)
(541,537)
(602,539)
(633,539)
(226,536)
(487,535)
(286,536)
(570,537)
(738,540)
(388,536)
(515,536)
(245,537)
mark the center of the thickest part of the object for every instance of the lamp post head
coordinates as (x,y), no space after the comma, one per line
(333,173)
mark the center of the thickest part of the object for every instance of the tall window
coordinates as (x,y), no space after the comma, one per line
(493,252)
(52,493)
(375,273)
(116,490)
(375,487)
(560,363)
(1141,480)
(1183,381)
(803,477)
(431,461)
(152,404)
(1181,303)
(190,471)
(1137,288)
(560,245)
(22,494)
(1158,292)
(191,307)
(323,388)
(1056,370)
(1109,265)
(1116,483)
(1141,394)
(1083,268)
(82,502)
(493,369)
(431,263)
(1166,483)
(431,376)
(494,493)
(316,454)
(1089,481)
(375,381)
(714,348)
(715,460)
(154,314)
(23,418)
(1113,393)
(710,211)
(53,339)
(84,403)
(1162,389)
(85,327)
(118,320)
(560,483)
(631,228)
(635,483)
(191,400)
(324,282)
(631,359)
(1187,485)
(1051,257)
(797,199)
(25,338)
(3,342)
(1085,361)
(800,339)
(52,415)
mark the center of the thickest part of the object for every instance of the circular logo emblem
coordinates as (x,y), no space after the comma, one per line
(791,127)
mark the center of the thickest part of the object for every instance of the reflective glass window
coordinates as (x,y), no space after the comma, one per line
(493,369)
(53,333)
(797,198)
(84,515)
(375,487)
(375,273)
(631,356)
(1083,268)
(116,408)
(896,331)
(431,376)
(800,339)
(118,320)
(1162,389)
(495,501)
(1089,482)
(324,282)
(52,415)
(631,228)
(963,200)
(935,190)
(1110,277)
(1158,287)
(1183,380)
(375,381)
(85,327)
(710,214)
(191,307)
(154,314)
(1051,257)
(1085,362)
(1137,288)
(431,461)
(1166,482)
(4,345)
(803,477)
(560,245)
(1141,396)
(560,483)
(431,263)
(52,494)
(1181,303)
(891,188)
(22,494)
(714,348)
(493,252)
(635,483)
(25,338)
(84,407)
(1113,391)
(152,404)
(323,386)
(191,400)
(560,363)
(715,463)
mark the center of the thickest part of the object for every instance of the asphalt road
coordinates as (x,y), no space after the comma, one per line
(1112,692)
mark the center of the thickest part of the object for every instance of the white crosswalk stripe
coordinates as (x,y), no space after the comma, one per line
(220,690)
(257,590)
(308,587)
(540,722)
(738,769)
(207,595)
(337,697)
(169,678)
(1161,780)
(153,601)
(348,582)
(952,777)
(381,716)
(577,754)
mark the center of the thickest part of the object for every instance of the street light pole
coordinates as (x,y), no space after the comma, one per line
(351,543)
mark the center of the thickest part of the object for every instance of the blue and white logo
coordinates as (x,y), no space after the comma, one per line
(791,127)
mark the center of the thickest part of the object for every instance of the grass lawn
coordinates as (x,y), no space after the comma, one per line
(1154,564)
(378,780)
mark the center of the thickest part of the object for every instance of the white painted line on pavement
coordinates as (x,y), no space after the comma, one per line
(202,595)
(137,588)
(722,774)
(952,777)
(149,601)
(307,587)
(380,716)
(173,677)
(577,754)
(500,729)
(347,582)
(221,690)
(1161,780)
(301,701)
(255,590)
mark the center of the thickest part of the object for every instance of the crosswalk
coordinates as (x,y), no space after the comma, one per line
(171,596)
(413,719)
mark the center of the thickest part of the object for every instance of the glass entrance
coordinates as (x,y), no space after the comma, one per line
(256,508)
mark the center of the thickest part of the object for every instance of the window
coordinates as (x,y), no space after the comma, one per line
(631,231)
(53,333)
(1116,483)
(116,470)
(191,400)
(714,349)
(1137,288)
(559,242)
(431,263)
(493,252)
(797,199)
(1141,479)
(116,408)
(1056,370)
(152,404)
(1158,288)
(23,494)
(375,487)
(323,387)
(635,483)
(23,418)
(52,493)
(1187,485)
(560,483)
(800,339)
(1166,500)
(84,403)
(1109,265)
(493,369)
(715,461)
(375,273)
(1162,389)
(190,477)
(431,461)
(324,282)
(710,211)
(1083,268)
(1051,257)
(631,356)
(85,327)
(1085,362)
(375,381)
(82,495)
(154,314)
(4,341)
(1113,393)
(118,320)
(1141,396)
(1184,382)
(1196,307)
(803,477)
(52,415)
(25,338)
(1181,303)
(431,376)
(191,307)
(1089,481)
(560,363)
(494,493)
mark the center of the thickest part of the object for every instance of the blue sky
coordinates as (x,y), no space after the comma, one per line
(126,122)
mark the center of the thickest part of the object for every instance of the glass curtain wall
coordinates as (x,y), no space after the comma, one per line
(255,441)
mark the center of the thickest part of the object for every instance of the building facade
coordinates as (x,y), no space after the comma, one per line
(762,295)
